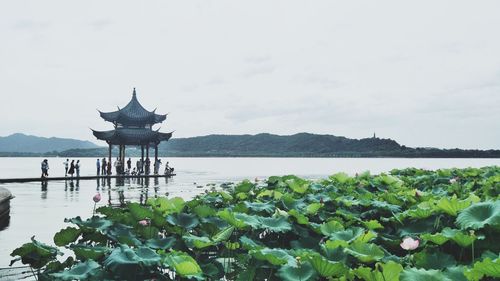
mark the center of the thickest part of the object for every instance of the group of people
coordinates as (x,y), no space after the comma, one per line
(103,167)
(72,168)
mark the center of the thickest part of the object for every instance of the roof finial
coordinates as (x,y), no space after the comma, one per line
(133,94)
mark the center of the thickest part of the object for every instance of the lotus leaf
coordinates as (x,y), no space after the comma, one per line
(390,272)
(183,264)
(413,274)
(187,221)
(167,206)
(260,207)
(301,219)
(161,243)
(486,267)
(85,252)
(66,236)
(480,215)
(35,254)
(97,223)
(365,252)
(81,271)
(452,206)
(140,212)
(223,235)
(327,268)
(230,218)
(434,260)
(303,272)
(274,256)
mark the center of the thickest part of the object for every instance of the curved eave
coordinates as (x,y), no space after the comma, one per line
(132,136)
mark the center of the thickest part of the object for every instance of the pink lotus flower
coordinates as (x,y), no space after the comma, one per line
(97,197)
(409,244)
(144,222)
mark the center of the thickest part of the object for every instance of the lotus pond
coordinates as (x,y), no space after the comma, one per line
(405,225)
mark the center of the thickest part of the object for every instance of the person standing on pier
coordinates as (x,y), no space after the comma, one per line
(138,166)
(129,164)
(147,166)
(118,166)
(77,168)
(98,166)
(66,166)
(71,170)
(104,165)
(45,168)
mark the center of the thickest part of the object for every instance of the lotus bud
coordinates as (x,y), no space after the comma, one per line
(97,197)
(298,259)
(144,222)
(453,180)
(409,243)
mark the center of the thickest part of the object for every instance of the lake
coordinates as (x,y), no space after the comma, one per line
(40,209)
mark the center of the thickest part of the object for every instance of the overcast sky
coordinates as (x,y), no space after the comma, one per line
(425,73)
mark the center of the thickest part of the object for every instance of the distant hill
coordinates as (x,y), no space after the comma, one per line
(21,143)
(302,144)
(261,145)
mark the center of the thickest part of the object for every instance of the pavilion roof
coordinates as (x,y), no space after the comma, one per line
(133,114)
(132,136)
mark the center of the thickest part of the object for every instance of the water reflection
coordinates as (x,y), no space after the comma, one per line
(44,189)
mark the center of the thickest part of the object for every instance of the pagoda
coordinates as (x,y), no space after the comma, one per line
(134,127)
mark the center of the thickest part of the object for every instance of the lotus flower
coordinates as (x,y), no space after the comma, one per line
(97,197)
(453,180)
(409,244)
(144,222)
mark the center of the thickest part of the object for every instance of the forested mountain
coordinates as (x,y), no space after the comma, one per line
(21,143)
(261,145)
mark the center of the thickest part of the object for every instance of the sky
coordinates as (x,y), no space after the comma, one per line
(425,73)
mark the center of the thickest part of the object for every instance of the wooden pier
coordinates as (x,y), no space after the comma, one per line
(17,180)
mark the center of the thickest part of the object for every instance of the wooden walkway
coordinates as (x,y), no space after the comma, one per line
(14,180)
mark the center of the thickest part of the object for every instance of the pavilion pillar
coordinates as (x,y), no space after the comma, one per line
(147,151)
(109,154)
(156,153)
(123,155)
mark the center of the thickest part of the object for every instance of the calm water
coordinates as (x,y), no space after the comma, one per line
(40,209)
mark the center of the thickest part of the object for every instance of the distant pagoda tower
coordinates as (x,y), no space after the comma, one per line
(133,126)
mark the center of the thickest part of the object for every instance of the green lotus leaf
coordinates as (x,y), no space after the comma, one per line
(125,262)
(313,208)
(187,221)
(204,211)
(303,272)
(260,207)
(289,202)
(413,274)
(183,264)
(331,227)
(479,215)
(270,193)
(247,275)
(458,236)
(419,213)
(373,224)
(486,267)
(230,218)
(456,273)
(434,260)
(35,253)
(327,268)
(340,177)
(123,234)
(167,206)
(249,244)
(244,186)
(66,236)
(391,271)
(81,271)
(437,238)
(160,243)
(301,218)
(452,206)
(279,224)
(365,252)
(197,242)
(274,256)
(94,222)
(223,235)
(250,220)
(347,235)
(139,212)
(298,185)
(85,252)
